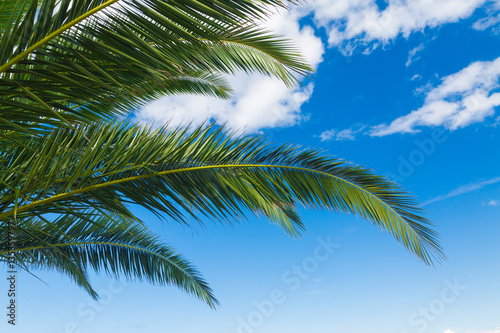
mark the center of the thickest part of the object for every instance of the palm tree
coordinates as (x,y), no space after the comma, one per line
(69,172)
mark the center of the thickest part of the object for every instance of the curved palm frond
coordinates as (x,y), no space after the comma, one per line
(62,61)
(207,172)
(117,245)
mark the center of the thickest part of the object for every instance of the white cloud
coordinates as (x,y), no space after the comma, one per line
(416,77)
(464,189)
(493,203)
(261,102)
(286,23)
(354,23)
(336,135)
(343,135)
(412,55)
(492,19)
(497,122)
(449,331)
(461,99)
(486,22)
(258,101)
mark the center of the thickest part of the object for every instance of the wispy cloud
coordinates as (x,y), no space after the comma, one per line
(337,135)
(343,135)
(492,20)
(464,189)
(486,22)
(413,54)
(491,203)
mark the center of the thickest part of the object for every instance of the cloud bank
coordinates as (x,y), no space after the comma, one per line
(262,102)
(352,24)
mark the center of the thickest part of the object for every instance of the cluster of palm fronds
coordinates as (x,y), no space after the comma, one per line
(69,172)
(82,60)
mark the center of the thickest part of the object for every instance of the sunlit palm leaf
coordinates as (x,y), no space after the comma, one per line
(174,173)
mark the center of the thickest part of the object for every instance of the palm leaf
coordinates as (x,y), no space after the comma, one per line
(117,246)
(207,172)
(65,62)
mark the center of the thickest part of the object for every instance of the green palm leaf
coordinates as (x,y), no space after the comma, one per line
(117,246)
(65,62)
(207,172)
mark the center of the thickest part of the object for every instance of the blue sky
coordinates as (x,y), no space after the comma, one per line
(407,88)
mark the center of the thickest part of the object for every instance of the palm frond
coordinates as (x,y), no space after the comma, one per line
(62,61)
(177,174)
(117,246)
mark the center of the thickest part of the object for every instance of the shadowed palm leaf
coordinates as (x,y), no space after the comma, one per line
(71,244)
(178,174)
(71,61)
